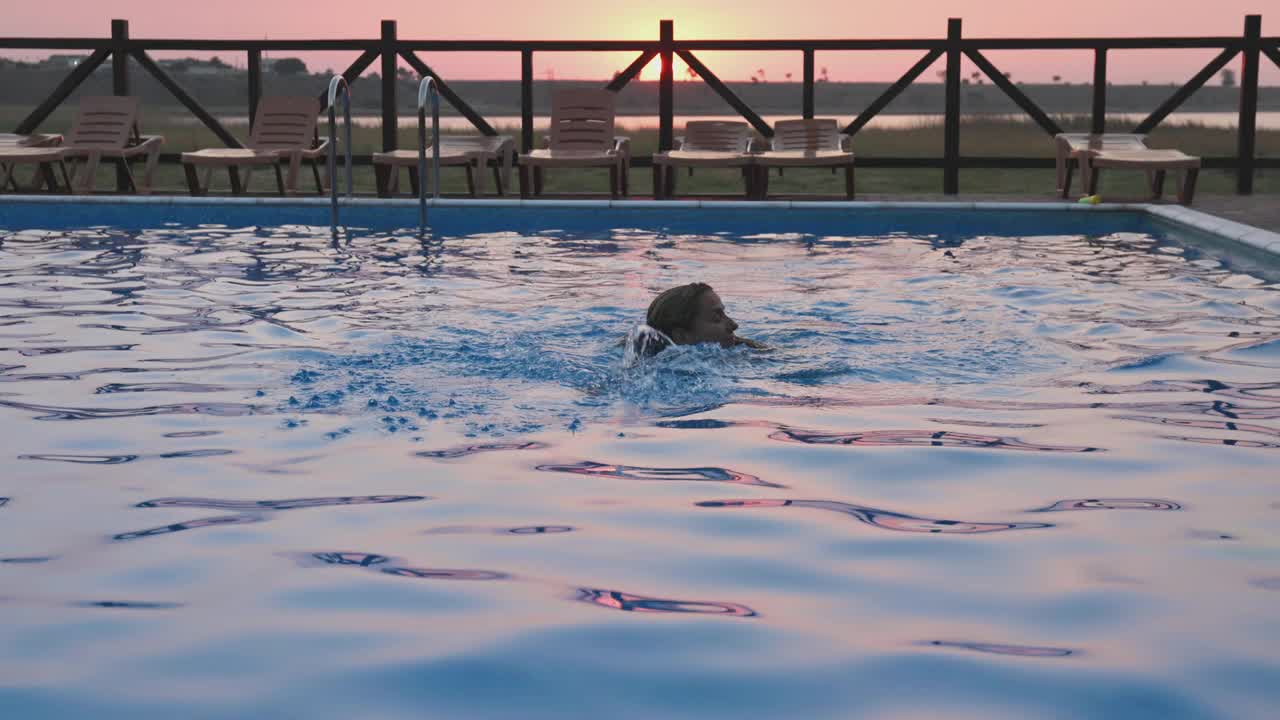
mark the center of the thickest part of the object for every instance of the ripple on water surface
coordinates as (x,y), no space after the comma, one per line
(1024,476)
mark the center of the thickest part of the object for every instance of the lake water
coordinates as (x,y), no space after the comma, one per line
(992,466)
(511,123)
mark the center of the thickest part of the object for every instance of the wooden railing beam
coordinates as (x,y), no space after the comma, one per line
(1017,96)
(62,92)
(1186,91)
(894,91)
(186,99)
(631,71)
(723,91)
(351,74)
(449,95)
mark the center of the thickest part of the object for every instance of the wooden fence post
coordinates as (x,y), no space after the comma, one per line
(1098,124)
(255,85)
(666,90)
(1246,126)
(120,82)
(951,124)
(390,111)
(526,100)
(808,84)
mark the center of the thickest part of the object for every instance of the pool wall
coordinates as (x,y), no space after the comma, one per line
(123,211)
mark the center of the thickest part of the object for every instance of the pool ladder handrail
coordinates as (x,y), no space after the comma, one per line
(338,86)
(428,86)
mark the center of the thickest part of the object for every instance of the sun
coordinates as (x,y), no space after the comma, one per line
(679,70)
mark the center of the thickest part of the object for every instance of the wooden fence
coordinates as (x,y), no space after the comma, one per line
(389,48)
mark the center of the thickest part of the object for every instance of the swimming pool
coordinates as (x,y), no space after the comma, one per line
(998,464)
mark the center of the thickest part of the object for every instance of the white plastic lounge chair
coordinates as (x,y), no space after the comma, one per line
(1156,163)
(1070,146)
(706,144)
(473,152)
(582,123)
(105,127)
(284,130)
(11,140)
(805,143)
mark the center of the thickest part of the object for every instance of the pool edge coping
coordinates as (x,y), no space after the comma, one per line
(1253,237)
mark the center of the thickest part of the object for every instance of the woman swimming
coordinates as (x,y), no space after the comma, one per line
(688,315)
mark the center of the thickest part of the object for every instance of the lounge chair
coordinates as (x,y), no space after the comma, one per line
(284,130)
(1071,146)
(105,127)
(582,122)
(805,143)
(473,152)
(706,144)
(1156,163)
(11,140)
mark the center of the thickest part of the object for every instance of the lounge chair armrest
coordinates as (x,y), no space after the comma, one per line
(322,145)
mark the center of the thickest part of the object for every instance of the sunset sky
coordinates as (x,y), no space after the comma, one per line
(564,19)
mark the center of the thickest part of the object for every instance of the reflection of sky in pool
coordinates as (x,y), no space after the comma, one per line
(1011,476)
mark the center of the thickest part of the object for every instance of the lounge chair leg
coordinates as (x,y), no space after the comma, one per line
(471,181)
(233,173)
(123,170)
(613,182)
(66,177)
(381,179)
(46,173)
(669,183)
(537,180)
(657,182)
(1067,172)
(1094,174)
(748,181)
(413,181)
(279,179)
(1157,184)
(193,180)
(848,182)
(315,173)
(624,180)
(497,181)
(1188,190)
(762,184)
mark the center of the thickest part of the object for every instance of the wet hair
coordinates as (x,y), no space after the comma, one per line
(675,309)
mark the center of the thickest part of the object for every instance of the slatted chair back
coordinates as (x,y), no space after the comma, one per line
(582,120)
(716,136)
(284,123)
(104,123)
(809,135)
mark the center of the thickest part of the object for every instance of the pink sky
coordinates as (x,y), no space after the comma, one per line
(563,19)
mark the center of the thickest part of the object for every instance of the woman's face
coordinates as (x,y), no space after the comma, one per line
(710,324)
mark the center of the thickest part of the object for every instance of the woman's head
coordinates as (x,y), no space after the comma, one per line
(691,314)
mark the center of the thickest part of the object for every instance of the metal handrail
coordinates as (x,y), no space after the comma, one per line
(428,86)
(338,85)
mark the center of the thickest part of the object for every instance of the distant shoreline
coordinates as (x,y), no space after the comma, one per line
(227,91)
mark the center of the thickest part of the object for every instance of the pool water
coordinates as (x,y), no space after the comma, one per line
(989,467)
